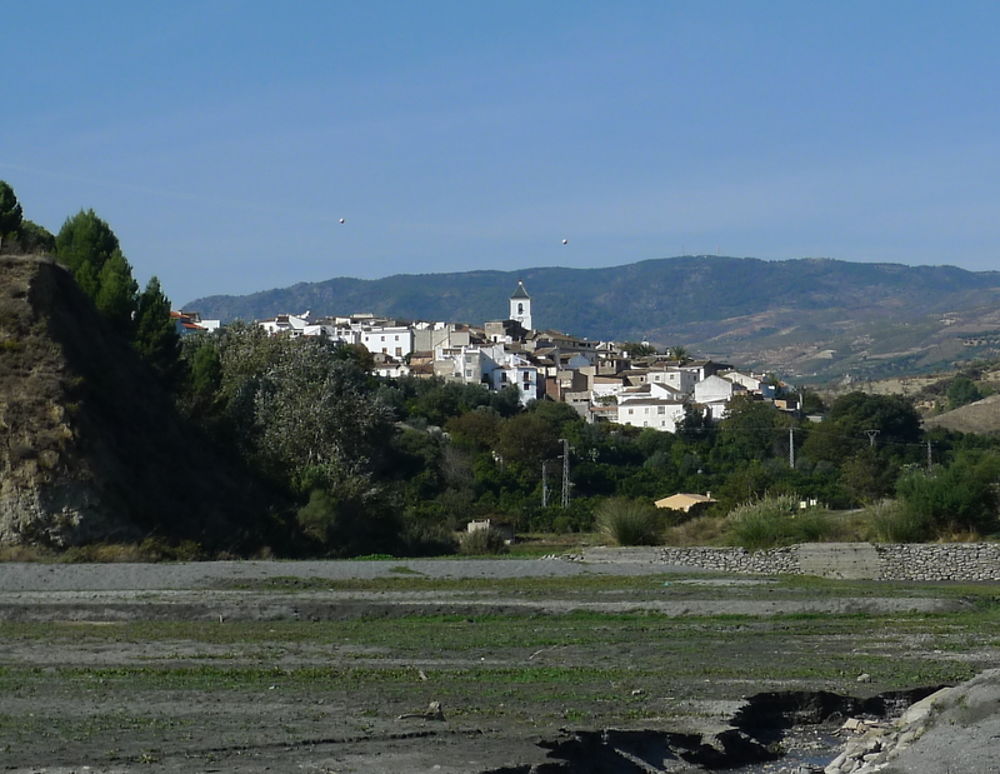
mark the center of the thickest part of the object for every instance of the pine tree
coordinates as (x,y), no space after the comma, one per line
(85,237)
(86,277)
(10,211)
(117,291)
(155,337)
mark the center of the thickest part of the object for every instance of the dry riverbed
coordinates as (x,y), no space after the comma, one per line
(437,665)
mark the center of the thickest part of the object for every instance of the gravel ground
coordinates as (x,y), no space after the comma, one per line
(284,726)
(20,576)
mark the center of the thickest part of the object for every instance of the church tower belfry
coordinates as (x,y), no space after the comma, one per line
(520,306)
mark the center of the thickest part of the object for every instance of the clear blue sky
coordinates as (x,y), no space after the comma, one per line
(223,140)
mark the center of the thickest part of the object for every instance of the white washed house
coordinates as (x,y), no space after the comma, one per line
(658,413)
(395,340)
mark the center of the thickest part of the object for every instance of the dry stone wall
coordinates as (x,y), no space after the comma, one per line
(881,561)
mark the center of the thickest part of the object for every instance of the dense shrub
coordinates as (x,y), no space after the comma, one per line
(776,521)
(961,498)
(891,522)
(483,541)
(628,522)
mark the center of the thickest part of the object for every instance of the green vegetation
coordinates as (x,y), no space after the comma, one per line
(776,521)
(629,522)
(19,235)
(343,463)
(121,689)
(483,542)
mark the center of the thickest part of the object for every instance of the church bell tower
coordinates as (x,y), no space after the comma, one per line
(520,306)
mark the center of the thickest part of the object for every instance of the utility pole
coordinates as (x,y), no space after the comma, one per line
(791,448)
(930,459)
(565,473)
(872,435)
(545,486)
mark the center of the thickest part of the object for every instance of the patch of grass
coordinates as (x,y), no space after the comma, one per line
(699,531)
(628,522)
(893,523)
(774,521)
(483,542)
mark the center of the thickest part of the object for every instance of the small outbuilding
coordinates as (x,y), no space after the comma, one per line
(683,501)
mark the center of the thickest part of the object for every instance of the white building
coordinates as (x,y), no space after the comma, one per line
(680,379)
(395,340)
(715,393)
(749,381)
(292,324)
(661,414)
(520,306)
(521,373)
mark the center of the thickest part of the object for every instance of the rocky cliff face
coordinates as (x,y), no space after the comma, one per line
(90,445)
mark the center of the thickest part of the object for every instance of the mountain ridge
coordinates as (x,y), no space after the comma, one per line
(818,318)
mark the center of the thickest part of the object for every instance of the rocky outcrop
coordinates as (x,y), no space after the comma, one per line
(955,729)
(91,448)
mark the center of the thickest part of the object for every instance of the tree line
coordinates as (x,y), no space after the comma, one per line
(358,464)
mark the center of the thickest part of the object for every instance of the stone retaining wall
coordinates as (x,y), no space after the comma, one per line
(770,562)
(882,561)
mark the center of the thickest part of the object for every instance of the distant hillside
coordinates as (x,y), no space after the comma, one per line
(983,416)
(92,448)
(815,319)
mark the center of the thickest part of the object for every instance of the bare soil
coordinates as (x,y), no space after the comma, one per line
(332,666)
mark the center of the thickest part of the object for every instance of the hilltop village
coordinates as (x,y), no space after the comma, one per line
(622,383)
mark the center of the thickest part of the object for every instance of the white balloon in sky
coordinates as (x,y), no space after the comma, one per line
(565,241)
(343,220)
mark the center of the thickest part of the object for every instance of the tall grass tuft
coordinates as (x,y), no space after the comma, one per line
(628,522)
(483,541)
(893,522)
(775,520)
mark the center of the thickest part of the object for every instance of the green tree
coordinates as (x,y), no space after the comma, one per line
(117,292)
(962,391)
(156,338)
(866,477)
(10,211)
(477,429)
(35,239)
(752,429)
(316,423)
(636,349)
(18,234)
(527,439)
(891,419)
(678,353)
(962,497)
(85,237)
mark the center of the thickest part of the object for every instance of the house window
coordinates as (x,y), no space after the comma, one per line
(399,351)
(396,338)
(661,409)
(630,412)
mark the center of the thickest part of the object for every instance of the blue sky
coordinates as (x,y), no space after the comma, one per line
(223,140)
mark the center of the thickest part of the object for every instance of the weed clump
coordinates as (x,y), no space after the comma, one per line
(483,541)
(776,520)
(628,522)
